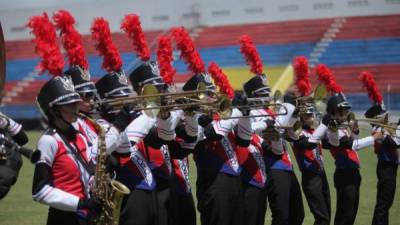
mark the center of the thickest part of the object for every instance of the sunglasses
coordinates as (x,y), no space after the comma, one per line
(87,95)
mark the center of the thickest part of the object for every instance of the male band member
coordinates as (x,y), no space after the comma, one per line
(343,144)
(386,151)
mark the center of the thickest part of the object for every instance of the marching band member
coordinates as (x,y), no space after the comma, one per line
(251,159)
(309,156)
(219,191)
(10,160)
(386,151)
(282,187)
(79,67)
(343,145)
(133,169)
(179,129)
(65,168)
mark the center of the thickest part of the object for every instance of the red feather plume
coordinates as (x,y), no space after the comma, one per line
(220,79)
(188,52)
(249,50)
(46,45)
(164,58)
(326,77)
(131,25)
(101,34)
(71,39)
(302,74)
(372,88)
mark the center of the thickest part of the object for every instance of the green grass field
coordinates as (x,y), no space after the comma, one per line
(18,208)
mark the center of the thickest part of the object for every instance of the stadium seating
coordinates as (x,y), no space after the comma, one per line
(363,43)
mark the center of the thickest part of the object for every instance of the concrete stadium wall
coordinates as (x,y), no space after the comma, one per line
(163,14)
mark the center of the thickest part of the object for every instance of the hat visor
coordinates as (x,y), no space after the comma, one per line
(87,88)
(120,93)
(69,100)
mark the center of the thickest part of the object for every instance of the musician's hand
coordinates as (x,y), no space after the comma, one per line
(93,205)
(105,108)
(270,123)
(204,120)
(124,117)
(112,164)
(354,127)
(164,114)
(378,135)
(241,100)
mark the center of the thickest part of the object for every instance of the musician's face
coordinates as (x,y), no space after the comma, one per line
(342,112)
(308,119)
(86,104)
(69,112)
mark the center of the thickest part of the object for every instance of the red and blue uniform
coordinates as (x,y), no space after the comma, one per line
(218,156)
(252,162)
(309,159)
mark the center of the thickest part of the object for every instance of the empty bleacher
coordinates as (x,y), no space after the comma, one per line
(363,43)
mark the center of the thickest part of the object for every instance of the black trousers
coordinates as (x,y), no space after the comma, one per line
(60,217)
(347,184)
(387,173)
(220,199)
(255,205)
(139,208)
(284,197)
(316,189)
(163,200)
(183,211)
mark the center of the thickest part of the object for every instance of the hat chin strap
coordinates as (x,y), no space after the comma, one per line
(59,122)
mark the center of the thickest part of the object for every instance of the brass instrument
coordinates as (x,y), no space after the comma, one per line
(380,122)
(262,103)
(110,192)
(275,133)
(206,101)
(319,97)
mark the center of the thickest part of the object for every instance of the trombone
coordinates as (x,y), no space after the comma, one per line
(206,101)
(275,133)
(380,122)
(351,119)
(262,103)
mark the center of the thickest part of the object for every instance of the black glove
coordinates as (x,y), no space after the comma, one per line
(327,119)
(270,123)
(135,114)
(94,206)
(204,120)
(388,142)
(105,108)
(124,117)
(241,100)
(112,164)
